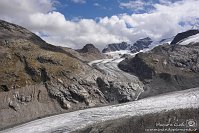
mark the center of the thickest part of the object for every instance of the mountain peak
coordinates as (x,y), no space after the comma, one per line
(116,47)
(89,48)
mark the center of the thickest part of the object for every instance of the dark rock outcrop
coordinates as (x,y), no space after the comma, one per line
(118,92)
(166,68)
(180,36)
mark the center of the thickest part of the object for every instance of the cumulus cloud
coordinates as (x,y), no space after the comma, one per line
(165,20)
(42,18)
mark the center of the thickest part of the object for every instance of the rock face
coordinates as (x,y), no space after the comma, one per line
(136,47)
(119,92)
(38,79)
(166,68)
(116,47)
(179,37)
(141,44)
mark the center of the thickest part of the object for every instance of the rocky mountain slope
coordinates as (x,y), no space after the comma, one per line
(166,68)
(38,79)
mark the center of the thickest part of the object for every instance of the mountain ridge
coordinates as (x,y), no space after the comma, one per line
(38,79)
(139,45)
(184,35)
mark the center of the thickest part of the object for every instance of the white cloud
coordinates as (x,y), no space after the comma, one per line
(136,5)
(52,26)
(101,6)
(79,1)
(9,7)
(143,5)
(164,21)
(165,2)
(96,4)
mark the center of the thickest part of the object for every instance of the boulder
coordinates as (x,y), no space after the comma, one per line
(15,105)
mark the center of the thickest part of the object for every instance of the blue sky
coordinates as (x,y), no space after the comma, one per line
(91,9)
(74,23)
